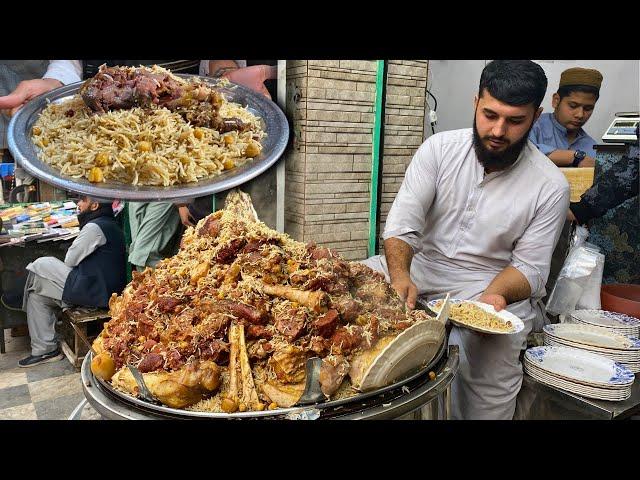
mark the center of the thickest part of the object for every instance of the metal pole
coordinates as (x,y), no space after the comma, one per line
(280,169)
(446,399)
(375,160)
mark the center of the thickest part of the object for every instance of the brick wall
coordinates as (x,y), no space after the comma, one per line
(328,170)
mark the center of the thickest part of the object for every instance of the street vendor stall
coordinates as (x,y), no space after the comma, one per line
(247,321)
(30,231)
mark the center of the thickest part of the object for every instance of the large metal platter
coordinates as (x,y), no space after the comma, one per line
(25,152)
(102,395)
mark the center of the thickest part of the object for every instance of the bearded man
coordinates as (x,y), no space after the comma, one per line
(94,268)
(478,215)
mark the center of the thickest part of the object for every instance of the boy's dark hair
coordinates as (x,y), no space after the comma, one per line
(567,90)
(515,82)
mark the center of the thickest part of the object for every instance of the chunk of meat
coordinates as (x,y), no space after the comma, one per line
(318,283)
(114,88)
(168,304)
(182,388)
(348,308)
(228,253)
(283,395)
(375,292)
(259,350)
(321,252)
(291,324)
(231,124)
(148,345)
(258,331)
(211,227)
(326,324)
(318,345)
(215,350)
(151,362)
(288,364)
(175,359)
(252,314)
(332,373)
(344,340)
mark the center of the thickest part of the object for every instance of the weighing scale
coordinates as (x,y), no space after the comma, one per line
(623,128)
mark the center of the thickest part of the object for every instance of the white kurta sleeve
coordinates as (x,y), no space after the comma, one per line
(87,241)
(407,217)
(533,251)
(66,71)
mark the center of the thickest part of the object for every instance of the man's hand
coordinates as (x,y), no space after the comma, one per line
(406,289)
(587,162)
(571,217)
(498,301)
(253,77)
(185,216)
(25,91)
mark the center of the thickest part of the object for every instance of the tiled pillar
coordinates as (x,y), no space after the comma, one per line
(330,103)
(403,127)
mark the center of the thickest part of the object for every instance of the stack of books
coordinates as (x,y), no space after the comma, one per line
(38,222)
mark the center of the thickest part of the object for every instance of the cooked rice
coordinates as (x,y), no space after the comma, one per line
(77,144)
(469,314)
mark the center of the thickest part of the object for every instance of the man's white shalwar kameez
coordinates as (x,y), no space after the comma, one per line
(465,227)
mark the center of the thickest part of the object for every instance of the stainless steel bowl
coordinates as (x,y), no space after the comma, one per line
(395,401)
(25,152)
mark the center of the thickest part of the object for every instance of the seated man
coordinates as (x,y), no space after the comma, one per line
(93,269)
(477,215)
(559,135)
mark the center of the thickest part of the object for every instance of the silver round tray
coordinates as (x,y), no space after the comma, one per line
(397,388)
(25,152)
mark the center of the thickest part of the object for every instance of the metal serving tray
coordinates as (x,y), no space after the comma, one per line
(273,120)
(109,401)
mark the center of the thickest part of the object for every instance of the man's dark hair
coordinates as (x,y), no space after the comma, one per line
(567,90)
(514,82)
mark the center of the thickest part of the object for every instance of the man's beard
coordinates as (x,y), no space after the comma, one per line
(85,217)
(495,161)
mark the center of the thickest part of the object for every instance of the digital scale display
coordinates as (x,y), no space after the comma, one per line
(622,130)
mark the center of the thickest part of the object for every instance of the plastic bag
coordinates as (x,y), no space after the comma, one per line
(579,237)
(575,278)
(590,298)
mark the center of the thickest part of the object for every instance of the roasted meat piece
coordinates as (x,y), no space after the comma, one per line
(291,323)
(326,324)
(289,364)
(178,389)
(332,372)
(114,88)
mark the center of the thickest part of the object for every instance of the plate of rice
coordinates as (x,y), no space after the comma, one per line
(479,316)
(147,154)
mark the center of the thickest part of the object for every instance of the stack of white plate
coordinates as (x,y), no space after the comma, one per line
(614,321)
(579,372)
(602,341)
